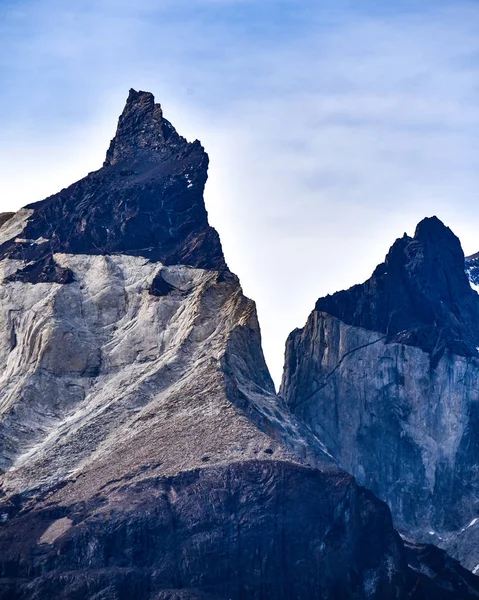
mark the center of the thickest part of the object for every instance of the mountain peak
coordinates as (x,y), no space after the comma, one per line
(431,222)
(147,200)
(432,230)
(419,295)
(143,132)
(135,97)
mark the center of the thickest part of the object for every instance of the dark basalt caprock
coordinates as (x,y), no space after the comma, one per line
(147,200)
(419,296)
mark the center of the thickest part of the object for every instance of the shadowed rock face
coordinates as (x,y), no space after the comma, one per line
(143,451)
(437,574)
(387,375)
(4,217)
(232,532)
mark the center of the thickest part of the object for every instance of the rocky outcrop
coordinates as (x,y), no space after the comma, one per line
(143,450)
(387,375)
(437,574)
(472,270)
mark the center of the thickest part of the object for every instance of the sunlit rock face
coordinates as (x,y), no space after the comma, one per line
(387,374)
(143,451)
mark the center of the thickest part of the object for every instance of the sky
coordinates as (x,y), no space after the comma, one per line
(333,127)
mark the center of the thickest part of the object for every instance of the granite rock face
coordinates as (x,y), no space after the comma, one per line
(472,270)
(143,451)
(387,375)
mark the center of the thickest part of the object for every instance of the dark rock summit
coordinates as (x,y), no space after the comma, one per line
(420,295)
(144,134)
(147,201)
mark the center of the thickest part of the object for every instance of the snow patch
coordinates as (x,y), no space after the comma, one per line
(471,524)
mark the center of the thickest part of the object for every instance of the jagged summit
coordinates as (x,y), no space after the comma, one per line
(433,230)
(143,132)
(420,295)
(147,200)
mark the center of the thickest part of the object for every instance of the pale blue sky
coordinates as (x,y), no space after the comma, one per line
(332,127)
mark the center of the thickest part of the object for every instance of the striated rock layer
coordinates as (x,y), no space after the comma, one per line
(144,453)
(387,374)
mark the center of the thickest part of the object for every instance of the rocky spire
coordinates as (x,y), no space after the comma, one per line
(143,132)
(420,295)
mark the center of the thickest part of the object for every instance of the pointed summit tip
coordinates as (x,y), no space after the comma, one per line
(432,229)
(143,132)
(430,224)
(135,96)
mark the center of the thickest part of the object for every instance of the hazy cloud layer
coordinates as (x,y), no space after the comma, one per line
(332,127)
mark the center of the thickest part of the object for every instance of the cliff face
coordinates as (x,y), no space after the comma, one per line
(386,373)
(143,451)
